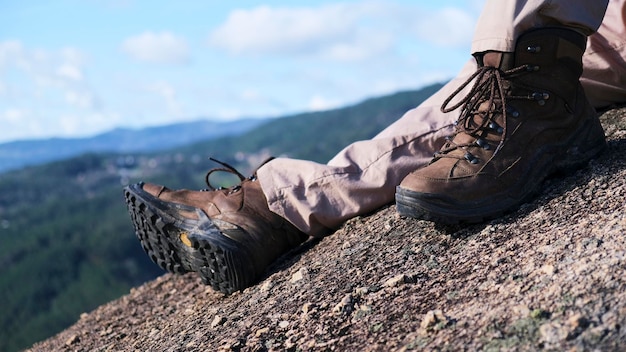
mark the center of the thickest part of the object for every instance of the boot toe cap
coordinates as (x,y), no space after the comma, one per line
(153,189)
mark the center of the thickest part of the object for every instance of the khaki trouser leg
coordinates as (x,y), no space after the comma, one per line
(363,176)
(501,22)
(604,62)
(317,198)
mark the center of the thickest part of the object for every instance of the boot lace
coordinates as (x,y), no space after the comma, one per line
(231,170)
(489,86)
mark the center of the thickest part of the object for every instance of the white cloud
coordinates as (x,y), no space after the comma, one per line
(336,31)
(70,124)
(46,69)
(71,72)
(10,52)
(228,114)
(162,48)
(251,95)
(38,86)
(17,123)
(319,103)
(13,115)
(80,99)
(73,56)
(28,124)
(344,32)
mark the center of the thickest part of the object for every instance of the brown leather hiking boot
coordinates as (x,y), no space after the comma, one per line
(229,236)
(525,117)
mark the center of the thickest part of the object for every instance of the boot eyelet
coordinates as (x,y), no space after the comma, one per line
(512,112)
(533,49)
(532,68)
(483,144)
(540,97)
(495,127)
(235,189)
(471,158)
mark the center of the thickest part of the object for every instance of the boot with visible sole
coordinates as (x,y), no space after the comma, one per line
(525,117)
(229,236)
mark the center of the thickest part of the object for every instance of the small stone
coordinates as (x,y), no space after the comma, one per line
(106,332)
(395,281)
(72,340)
(217,321)
(153,332)
(306,308)
(434,318)
(283,324)
(361,291)
(345,305)
(267,286)
(521,310)
(578,322)
(548,269)
(262,331)
(301,274)
(552,332)
(364,308)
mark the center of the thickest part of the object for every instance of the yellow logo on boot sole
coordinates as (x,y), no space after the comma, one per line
(184,239)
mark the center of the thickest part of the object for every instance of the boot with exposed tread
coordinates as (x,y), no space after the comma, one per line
(228,236)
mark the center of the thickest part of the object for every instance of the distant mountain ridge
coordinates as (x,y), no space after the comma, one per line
(14,155)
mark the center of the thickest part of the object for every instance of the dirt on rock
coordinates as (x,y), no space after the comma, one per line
(549,276)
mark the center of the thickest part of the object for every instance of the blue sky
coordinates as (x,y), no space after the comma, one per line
(75,68)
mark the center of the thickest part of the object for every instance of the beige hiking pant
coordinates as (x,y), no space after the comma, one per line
(317,198)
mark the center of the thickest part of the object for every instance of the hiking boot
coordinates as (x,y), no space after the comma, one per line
(525,117)
(229,236)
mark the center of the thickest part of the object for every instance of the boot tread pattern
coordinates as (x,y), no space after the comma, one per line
(159,231)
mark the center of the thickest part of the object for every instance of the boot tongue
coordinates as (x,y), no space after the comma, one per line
(501,60)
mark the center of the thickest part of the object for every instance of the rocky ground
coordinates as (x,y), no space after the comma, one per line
(549,276)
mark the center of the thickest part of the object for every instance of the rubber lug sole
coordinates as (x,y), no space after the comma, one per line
(179,245)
